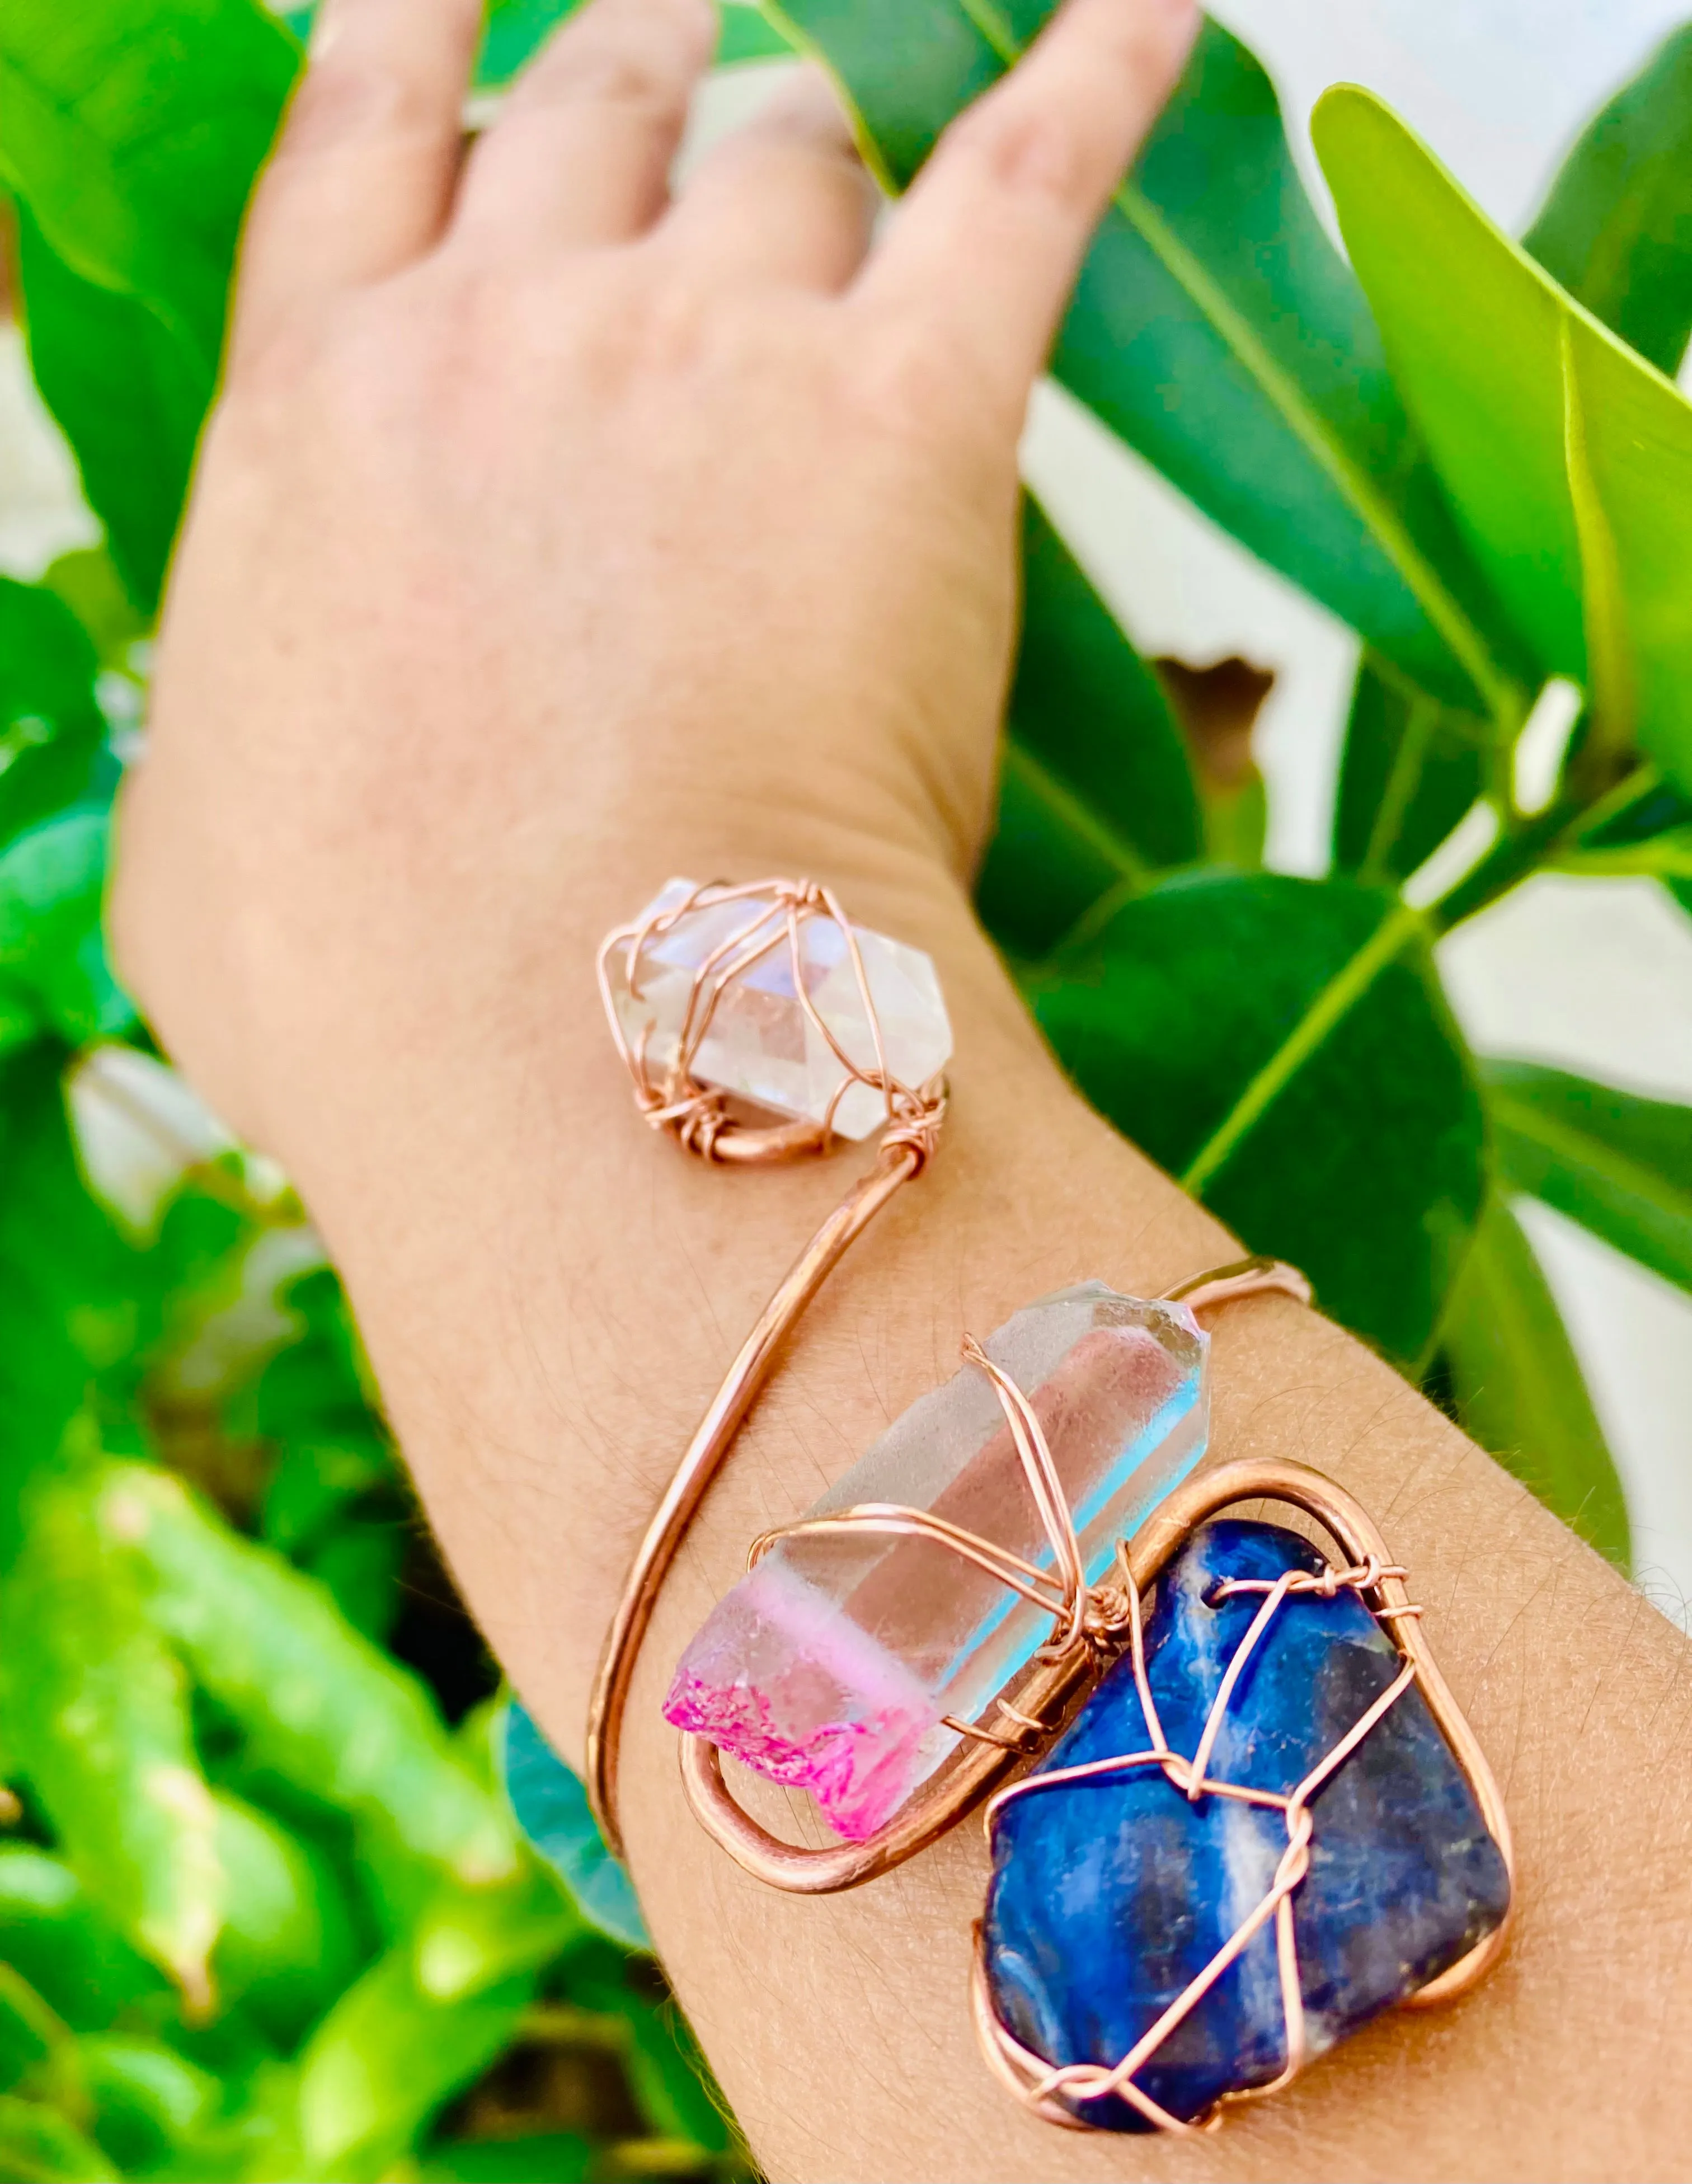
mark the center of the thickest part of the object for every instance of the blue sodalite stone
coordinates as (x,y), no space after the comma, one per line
(1110,1896)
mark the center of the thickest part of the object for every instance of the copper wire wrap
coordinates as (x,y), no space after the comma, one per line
(698,1118)
(1092,1626)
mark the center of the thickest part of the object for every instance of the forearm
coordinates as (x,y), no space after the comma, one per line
(550,1305)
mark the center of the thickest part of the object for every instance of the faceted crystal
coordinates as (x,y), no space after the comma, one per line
(1110,1895)
(831,1664)
(761,1045)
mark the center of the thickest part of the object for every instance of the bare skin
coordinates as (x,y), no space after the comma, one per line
(552,537)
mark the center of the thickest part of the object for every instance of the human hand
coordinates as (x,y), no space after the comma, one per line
(548,531)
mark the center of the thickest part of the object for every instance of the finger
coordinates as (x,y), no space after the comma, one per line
(363,173)
(581,153)
(786,197)
(986,247)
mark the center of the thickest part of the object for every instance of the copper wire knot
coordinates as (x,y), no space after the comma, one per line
(696,1115)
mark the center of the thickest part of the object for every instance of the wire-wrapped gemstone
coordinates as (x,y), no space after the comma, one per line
(1113,1893)
(833,1664)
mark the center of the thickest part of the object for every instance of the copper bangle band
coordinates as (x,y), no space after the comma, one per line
(697,1117)
(895,1165)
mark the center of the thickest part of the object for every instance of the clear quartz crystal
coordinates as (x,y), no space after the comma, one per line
(831,1664)
(761,1045)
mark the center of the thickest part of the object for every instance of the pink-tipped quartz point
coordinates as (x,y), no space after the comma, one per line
(832,1664)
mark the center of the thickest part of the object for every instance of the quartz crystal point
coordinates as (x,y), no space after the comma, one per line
(831,1664)
(761,1045)
(1110,1896)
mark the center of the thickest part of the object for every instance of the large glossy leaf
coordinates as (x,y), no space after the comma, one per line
(1095,789)
(128,393)
(1518,1387)
(123,1788)
(1568,460)
(1617,229)
(1619,1165)
(1215,327)
(50,726)
(133,136)
(1265,1039)
(1410,769)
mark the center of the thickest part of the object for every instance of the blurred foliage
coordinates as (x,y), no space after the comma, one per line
(264,1911)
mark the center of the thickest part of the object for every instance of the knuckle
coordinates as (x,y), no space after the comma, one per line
(1024,149)
(911,378)
(354,100)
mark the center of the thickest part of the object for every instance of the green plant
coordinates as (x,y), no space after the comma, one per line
(263,1912)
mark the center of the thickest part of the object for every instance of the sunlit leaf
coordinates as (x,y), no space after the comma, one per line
(315,1703)
(96,1706)
(1567,460)
(385,2058)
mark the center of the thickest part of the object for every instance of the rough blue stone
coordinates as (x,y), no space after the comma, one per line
(1109,1896)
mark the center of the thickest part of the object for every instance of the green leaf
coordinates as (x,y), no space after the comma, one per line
(1095,789)
(386,2057)
(554,2157)
(551,1806)
(1410,770)
(1567,460)
(96,1708)
(51,1932)
(1215,327)
(148,2099)
(748,35)
(1518,1386)
(52,956)
(128,396)
(517,28)
(132,140)
(1264,1037)
(133,137)
(1617,228)
(87,580)
(37,2052)
(316,1703)
(67,1276)
(287,1945)
(39,2146)
(50,726)
(1619,1165)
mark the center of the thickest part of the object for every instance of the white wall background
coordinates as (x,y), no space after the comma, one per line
(1594,977)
